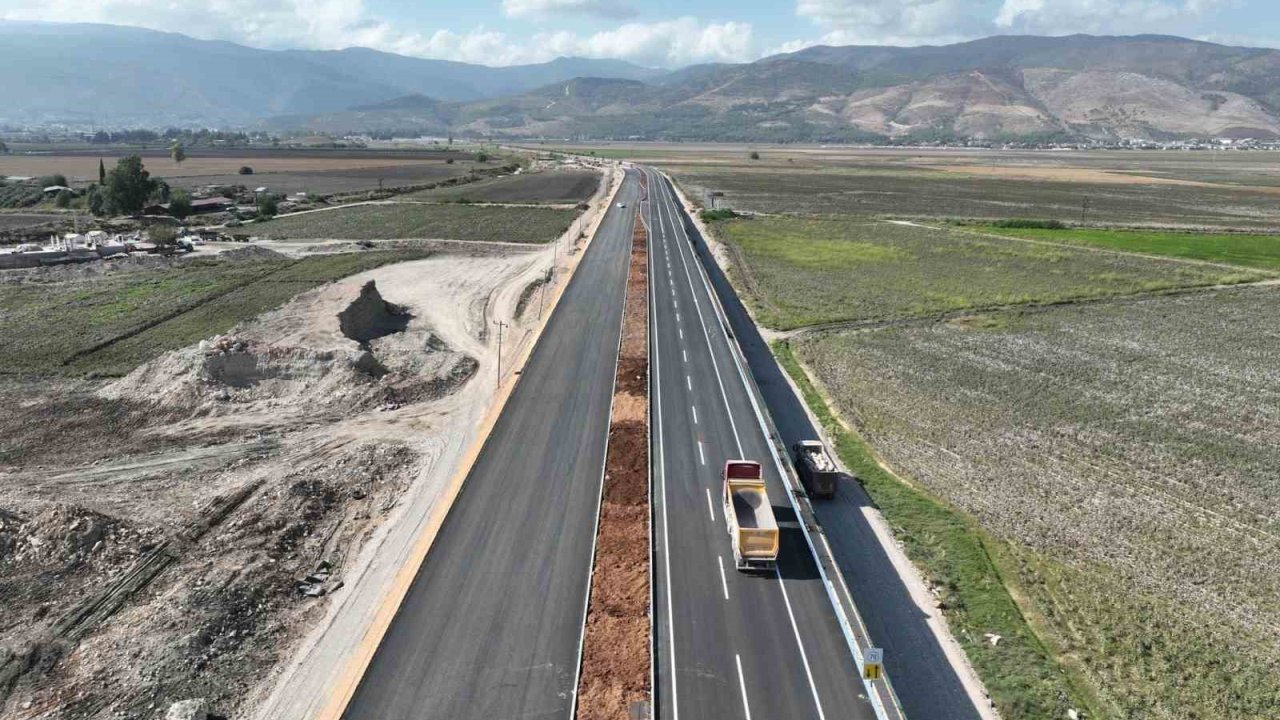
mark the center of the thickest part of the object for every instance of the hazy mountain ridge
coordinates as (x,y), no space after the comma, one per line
(1143,87)
(115,75)
(1079,86)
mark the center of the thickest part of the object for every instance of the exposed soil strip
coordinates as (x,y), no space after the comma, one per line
(615,674)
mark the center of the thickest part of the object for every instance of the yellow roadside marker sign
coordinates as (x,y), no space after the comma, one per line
(872,663)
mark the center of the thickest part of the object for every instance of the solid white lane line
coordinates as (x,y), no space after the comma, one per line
(724,582)
(746,706)
(804,656)
(694,408)
(701,456)
(666,529)
(711,507)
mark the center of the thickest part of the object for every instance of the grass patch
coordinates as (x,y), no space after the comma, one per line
(1255,251)
(709,216)
(1028,223)
(111,324)
(415,220)
(797,272)
(1024,678)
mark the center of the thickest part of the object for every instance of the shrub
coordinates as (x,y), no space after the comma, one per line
(714,215)
(1030,224)
(245,170)
(180,203)
(63,199)
(268,205)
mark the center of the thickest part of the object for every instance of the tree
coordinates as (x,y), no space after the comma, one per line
(164,237)
(128,186)
(180,203)
(63,199)
(482,157)
(96,201)
(177,152)
(268,205)
(102,172)
(3,148)
(246,170)
(755,155)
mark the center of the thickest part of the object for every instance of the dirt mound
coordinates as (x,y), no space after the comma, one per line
(338,348)
(252,252)
(369,317)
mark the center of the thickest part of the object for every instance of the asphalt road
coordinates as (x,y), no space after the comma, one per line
(927,685)
(491,626)
(728,644)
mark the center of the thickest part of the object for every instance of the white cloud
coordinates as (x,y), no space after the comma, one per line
(1112,17)
(336,24)
(915,22)
(668,43)
(543,8)
(891,22)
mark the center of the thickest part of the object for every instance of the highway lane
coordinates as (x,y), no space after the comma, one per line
(729,645)
(491,626)
(928,686)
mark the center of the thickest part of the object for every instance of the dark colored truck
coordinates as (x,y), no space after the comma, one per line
(816,469)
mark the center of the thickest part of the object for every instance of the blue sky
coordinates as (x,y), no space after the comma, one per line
(666,33)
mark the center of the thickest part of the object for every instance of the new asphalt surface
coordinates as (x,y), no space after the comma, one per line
(728,644)
(491,626)
(926,682)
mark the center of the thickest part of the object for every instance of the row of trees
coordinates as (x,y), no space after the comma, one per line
(180,135)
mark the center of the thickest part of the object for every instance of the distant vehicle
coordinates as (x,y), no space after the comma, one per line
(816,469)
(747,512)
(622,205)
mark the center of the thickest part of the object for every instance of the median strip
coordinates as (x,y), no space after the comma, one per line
(615,674)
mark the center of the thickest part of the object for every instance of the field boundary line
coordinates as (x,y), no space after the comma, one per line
(348,679)
(173,315)
(1090,248)
(1030,307)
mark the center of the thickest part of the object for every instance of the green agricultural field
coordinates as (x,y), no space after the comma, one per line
(904,190)
(1256,251)
(1126,456)
(110,324)
(798,272)
(393,221)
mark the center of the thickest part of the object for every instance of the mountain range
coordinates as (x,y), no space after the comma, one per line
(1006,87)
(112,75)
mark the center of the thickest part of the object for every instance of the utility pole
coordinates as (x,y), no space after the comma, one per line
(545,284)
(501,325)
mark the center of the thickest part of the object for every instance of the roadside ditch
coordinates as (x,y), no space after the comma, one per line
(614,682)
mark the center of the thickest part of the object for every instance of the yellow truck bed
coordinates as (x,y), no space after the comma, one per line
(749,516)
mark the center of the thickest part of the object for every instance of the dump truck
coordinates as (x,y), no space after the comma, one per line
(752,528)
(816,469)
